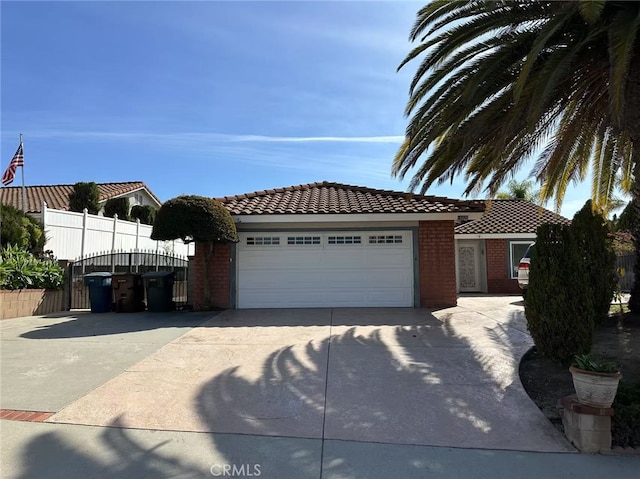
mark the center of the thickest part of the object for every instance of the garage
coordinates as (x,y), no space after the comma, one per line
(325,269)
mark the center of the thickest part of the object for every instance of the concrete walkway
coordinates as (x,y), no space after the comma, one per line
(299,393)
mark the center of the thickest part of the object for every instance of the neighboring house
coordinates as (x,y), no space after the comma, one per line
(57,196)
(334,245)
(71,235)
(489,249)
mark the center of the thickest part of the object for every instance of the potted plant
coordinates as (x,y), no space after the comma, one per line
(595,380)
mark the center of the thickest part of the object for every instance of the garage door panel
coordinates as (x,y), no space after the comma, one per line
(326,275)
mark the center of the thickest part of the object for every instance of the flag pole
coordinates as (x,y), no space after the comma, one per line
(24,191)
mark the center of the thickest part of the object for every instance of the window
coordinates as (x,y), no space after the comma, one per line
(517,249)
(389,239)
(263,241)
(344,240)
(301,240)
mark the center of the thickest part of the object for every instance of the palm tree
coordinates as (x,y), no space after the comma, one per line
(519,190)
(502,82)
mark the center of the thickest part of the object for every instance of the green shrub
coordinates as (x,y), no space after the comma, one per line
(85,195)
(117,206)
(559,307)
(146,214)
(628,220)
(625,425)
(19,269)
(194,218)
(20,229)
(592,234)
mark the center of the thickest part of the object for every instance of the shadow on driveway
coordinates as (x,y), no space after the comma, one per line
(81,325)
(383,376)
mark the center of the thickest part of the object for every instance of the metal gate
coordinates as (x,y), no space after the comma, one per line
(126,262)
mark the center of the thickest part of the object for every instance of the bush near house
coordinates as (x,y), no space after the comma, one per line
(146,214)
(196,218)
(117,206)
(19,269)
(20,229)
(592,234)
(85,195)
(571,283)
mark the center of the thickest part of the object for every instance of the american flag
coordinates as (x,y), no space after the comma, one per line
(10,173)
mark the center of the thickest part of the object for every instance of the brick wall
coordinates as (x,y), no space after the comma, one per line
(219,277)
(30,302)
(498,279)
(437,264)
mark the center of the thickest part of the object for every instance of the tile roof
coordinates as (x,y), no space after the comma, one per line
(57,196)
(326,197)
(510,216)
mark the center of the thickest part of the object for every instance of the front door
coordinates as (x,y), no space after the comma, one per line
(469,274)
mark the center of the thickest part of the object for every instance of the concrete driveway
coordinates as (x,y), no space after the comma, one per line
(289,390)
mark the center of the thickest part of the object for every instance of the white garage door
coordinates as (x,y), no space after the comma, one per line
(325,269)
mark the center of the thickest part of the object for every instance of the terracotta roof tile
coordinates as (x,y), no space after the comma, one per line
(57,196)
(326,197)
(510,216)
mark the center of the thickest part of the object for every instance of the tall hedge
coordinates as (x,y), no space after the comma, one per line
(146,214)
(559,305)
(571,283)
(117,206)
(20,229)
(85,195)
(592,233)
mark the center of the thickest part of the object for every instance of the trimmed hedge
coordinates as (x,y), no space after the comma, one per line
(194,218)
(85,195)
(571,283)
(146,214)
(117,206)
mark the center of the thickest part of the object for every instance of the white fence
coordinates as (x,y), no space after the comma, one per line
(73,235)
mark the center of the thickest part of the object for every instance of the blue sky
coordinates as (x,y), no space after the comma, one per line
(209,98)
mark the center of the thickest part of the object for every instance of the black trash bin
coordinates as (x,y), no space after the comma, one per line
(128,292)
(159,287)
(100,296)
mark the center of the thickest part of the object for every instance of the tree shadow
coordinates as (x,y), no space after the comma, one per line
(444,379)
(82,325)
(433,383)
(53,455)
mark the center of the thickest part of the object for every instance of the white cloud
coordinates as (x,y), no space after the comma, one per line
(191,137)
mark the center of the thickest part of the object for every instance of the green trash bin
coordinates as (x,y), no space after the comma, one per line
(100,297)
(159,288)
(128,292)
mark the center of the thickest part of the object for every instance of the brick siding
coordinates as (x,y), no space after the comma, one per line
(219,277)
(498,279)
(437,263)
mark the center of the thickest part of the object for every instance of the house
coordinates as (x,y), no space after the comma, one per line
(57,196)
(489,249)
(329,244)
(72,235)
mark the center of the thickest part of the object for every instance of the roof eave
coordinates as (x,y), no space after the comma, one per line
(349,217)
(462,236)
(151,195)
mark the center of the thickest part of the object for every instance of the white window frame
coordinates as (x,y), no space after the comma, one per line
(258,241)
(344,240)
(514,274)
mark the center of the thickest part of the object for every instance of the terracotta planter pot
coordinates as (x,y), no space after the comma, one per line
(595,389)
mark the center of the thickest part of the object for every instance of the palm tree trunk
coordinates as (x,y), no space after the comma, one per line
(631,123)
